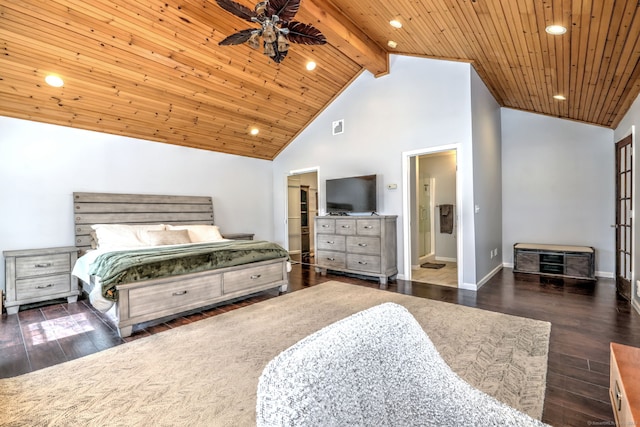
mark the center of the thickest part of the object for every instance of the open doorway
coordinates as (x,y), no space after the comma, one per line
(433,217)
(302,208)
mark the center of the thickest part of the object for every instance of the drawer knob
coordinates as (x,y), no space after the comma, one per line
(50,285)
(325,226)
(346,226)
(368,226)
(331,259)
(255,276)
(362,262)
(43,265)
(177,294)
(331,242)
(362,244)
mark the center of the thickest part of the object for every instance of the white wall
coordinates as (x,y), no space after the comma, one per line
(41,166)
(631,123)
(557,185)
(487,179)
(421,103)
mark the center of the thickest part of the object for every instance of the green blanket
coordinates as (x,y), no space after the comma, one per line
(135,265)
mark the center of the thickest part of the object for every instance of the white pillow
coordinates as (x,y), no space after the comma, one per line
(110,236)
(200,233)
(168,237)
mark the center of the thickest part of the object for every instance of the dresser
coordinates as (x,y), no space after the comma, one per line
(624,388)
(359,245)
(35,275)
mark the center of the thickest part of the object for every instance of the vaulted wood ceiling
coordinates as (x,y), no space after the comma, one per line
(153,69)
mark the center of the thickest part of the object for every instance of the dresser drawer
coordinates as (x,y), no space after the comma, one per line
(363,245)
(37,287)
(345,227)
(172,296)
(247,278)
(330,259)
(326,225)
(368,227)
(366,263)
(331,242)
(40,265)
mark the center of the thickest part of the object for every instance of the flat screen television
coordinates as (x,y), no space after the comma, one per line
(356,194)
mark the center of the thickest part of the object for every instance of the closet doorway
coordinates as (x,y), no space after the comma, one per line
(302,208)
(434,221)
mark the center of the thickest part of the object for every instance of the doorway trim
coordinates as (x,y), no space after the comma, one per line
(293,172)
(406,208)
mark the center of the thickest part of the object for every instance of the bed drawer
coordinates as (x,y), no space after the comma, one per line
(40,265)
(37,287)
(247,278)
(169,296)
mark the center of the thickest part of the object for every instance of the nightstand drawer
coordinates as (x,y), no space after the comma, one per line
(36,287)
(40,265)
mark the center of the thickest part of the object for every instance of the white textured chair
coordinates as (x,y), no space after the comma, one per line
(374,368)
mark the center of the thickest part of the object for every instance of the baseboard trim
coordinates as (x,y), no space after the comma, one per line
(605,274)
(445,259)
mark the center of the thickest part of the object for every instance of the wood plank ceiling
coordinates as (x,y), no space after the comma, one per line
(153,69)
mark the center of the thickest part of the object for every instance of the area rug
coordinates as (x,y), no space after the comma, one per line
(432,265)
(206,373)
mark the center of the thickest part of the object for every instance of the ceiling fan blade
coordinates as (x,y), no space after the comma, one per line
(237,38)
(237,9)
(285,9)
(304,33)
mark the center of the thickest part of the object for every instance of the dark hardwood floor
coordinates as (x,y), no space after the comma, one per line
(585,317)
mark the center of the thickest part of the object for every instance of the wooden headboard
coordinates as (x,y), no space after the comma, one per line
(110,208)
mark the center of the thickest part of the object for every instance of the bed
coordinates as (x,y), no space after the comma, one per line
(146,257)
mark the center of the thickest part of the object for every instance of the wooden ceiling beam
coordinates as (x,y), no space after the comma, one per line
(344,35)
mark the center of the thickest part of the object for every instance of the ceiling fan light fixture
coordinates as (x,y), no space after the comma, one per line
(556,30)
(254,40)
(283,43)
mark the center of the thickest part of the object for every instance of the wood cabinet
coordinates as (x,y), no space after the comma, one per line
(555,260)
(358,245)
(35,275)
(624,388)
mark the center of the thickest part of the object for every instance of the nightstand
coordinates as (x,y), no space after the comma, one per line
(34,275)
(238,236)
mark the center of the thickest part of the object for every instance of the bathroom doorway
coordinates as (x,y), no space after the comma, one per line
(434,219)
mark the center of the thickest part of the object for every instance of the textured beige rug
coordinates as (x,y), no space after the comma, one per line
(206,373)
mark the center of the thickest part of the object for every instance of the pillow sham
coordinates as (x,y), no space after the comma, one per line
(123,235)
(200,233)
(168,237)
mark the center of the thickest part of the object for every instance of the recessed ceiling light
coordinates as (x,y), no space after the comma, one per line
(53,80)
(559,97)
(392,44)
(555,30)
(311,66)
(395,23)
(254,131)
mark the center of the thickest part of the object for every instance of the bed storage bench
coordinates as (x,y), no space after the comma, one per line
(555,260)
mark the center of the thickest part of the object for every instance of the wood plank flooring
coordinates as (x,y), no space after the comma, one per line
(585,317)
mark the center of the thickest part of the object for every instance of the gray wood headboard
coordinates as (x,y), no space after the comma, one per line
(110,208)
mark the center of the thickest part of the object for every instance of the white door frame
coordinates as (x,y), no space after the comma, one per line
(312,169)
(406,223)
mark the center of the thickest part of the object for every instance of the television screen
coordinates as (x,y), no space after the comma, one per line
(356,194)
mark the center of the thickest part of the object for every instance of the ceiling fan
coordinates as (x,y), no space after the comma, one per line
(276,27)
